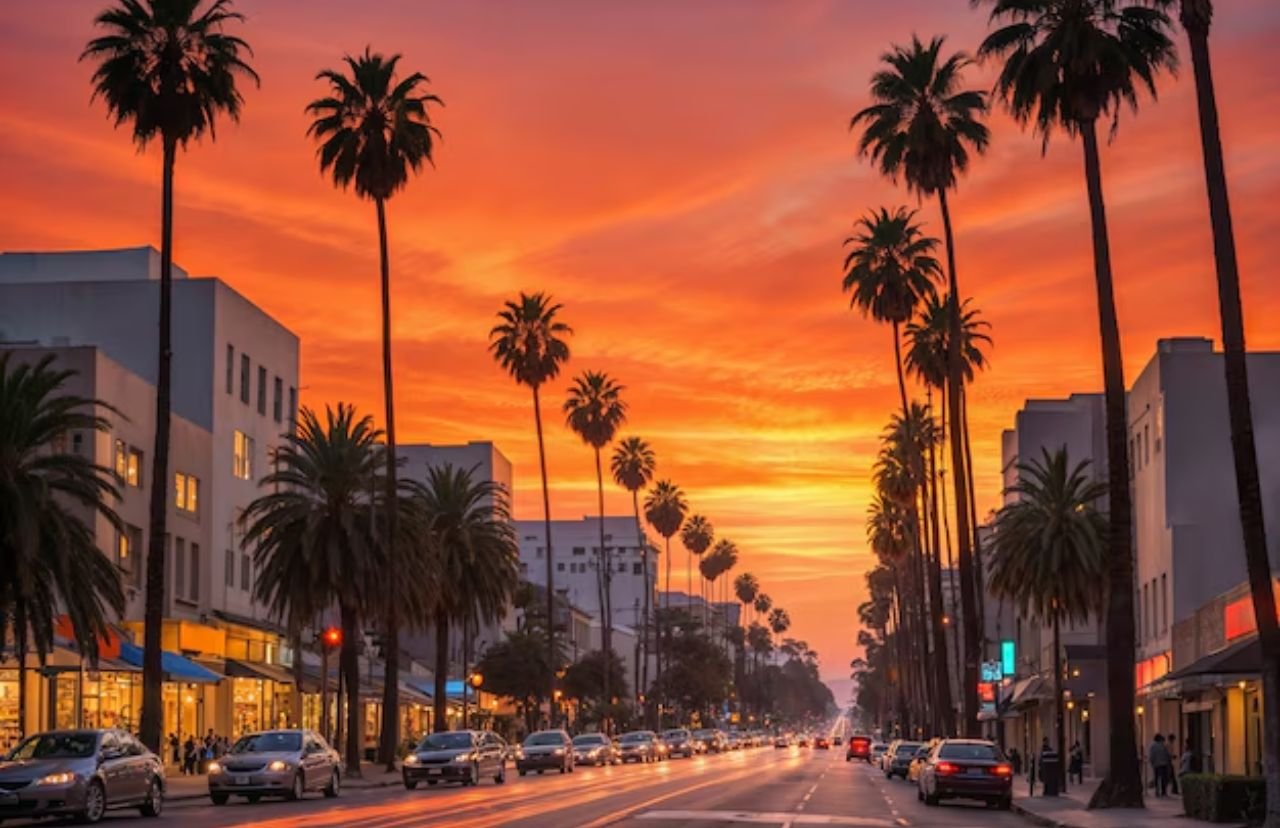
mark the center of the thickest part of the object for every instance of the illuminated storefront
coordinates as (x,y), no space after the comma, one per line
(9,726)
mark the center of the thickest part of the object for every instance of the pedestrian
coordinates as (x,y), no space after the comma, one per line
(1015,761)
(1171,742)
(175,756)
(1161,764)
(189,756)
(1187,761)
(1075,768)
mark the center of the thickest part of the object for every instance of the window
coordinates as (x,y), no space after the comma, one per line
(579,550)
(231,368)
(1146,444)
(244,378)
(121,459)
(262,390)
(124,554)
(245,575)
(194,591)
(179,566)
(186,493)
(242,460)
(1164,602)
(133,472)
(637,569)
(77,443)
(293,404)
(229,564)
(277,400)
(622,567)
(539,554)
(560,567)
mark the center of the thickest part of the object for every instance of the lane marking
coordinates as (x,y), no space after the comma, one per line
(766,818)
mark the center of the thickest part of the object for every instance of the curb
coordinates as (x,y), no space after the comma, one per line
(354,785)
(1038,819)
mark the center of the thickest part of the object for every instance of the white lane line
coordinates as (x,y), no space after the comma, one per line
(766,818)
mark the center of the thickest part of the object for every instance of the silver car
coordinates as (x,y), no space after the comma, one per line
(80,773)
(285,763)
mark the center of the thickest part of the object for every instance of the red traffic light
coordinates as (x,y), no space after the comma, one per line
(332,637)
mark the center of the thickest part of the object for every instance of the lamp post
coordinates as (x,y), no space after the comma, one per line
(330,639)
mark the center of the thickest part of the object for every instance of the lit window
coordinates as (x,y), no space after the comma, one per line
(124,555)
(121,459)
(186,492)
(133,474)
(242,460)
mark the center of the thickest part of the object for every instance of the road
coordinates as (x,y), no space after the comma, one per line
(765,786)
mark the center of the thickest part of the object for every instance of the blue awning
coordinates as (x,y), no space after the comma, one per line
(175,667)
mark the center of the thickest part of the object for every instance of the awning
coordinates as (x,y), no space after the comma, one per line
(412,695)
(174,666)
(263,624)
(1238,662)
(258,670)
(1030,690)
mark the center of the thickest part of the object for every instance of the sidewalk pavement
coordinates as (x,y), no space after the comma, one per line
(179,788)
(1070,810)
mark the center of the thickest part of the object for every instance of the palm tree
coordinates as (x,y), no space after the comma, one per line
(170,69)
(779,622)
(595,411)
(374,130)
(49,561)
(724,557)
(889,272)
(633,466)
(1049,552)
(529,343)
(665,508)
(697,537)
(745,588)
(763,604)
(1068,63)
(924,127)
(476,558)
(313,537)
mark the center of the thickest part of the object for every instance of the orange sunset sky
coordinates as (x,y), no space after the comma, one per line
(680,176)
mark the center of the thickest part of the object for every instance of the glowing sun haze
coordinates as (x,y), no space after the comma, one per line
(680,176)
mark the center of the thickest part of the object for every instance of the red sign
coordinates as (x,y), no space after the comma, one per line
(1151,669)
(1238,619)
(987,692)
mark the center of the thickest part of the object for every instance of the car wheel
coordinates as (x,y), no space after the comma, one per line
(95,803)
(431,783)
(332,789)
(410,784)
(219,799)
(254,799)
(521,772)
(154,803)
(296,789)
(501,778)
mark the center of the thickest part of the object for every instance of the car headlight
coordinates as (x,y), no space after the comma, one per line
(463,758)
(278,766)
(214,767)
(64,778)
(593,754)
(411,759)
(559,751)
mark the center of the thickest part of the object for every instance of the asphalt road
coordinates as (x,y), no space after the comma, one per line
(764,786)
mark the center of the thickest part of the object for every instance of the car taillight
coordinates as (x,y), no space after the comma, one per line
(1003,770)
(945,769)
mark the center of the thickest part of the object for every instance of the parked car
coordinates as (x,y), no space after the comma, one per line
(639,746)
(285,763)
(917,762)
(463,756)
(82,774)
(679,742)
(594,749)
(966,769)
(712,740)
(859,748)
(899,757)
(545,750)
(877,752)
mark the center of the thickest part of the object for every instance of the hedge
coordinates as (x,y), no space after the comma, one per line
(1219,798)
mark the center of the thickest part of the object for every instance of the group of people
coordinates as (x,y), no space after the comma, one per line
(1161,756)
(194,755)
(1048,756)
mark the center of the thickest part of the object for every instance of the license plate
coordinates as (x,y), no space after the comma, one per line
(434,771)
(242,780)
(976,772)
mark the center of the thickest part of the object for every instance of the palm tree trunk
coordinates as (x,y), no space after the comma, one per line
(351,675)
(978,577)
(1059,708)
(150,726)
(551,586)
(902,381)
(1123,783)
(295,698)
(20,650)
(946,712)
(1196,19)
(643,669)
(972,624)
(946,536)
(439,701)
(606,605)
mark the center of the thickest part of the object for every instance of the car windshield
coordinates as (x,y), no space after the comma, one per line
(907,750)
(632,738)
(56,746)
(702,734)
(549,738)
(591,739)
(675,734)
(269,743)
(445,741)
(983,753)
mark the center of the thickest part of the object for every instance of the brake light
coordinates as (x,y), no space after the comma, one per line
(1003,770)
(945,769)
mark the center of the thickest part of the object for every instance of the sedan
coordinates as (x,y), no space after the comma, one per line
(594,749)
(966,769)
(679,742)
(859,748)
(463,756)
(898,758)
(822,743)
(639,746)
(285,763)
(712,741)
(82,774)
(545,750)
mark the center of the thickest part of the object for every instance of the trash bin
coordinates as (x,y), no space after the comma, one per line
(1050,773)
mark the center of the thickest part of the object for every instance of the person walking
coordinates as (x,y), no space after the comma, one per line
(190,756)
(1075,765)
(1187,761)
(175,751)
(1161,764)
(1171,742)
(1015,761)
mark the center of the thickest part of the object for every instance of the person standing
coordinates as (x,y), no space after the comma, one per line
(1015,761)
(1161,764)
(1075,766)
(1171,743)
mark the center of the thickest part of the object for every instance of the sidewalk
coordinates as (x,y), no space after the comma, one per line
(1069,810)
(179,788)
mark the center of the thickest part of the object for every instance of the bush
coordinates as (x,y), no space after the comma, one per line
(1218,798)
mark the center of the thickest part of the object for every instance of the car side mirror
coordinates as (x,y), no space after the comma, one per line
(110,755)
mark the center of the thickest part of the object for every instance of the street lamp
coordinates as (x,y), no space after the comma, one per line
(330,639)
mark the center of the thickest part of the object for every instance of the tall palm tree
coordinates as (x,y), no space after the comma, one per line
(529,343)
(594,410)
(170,68)
(1049,552)
(923,126)
(725,557)
(762,604)
(313,537)
(374,130)
(697,536)
(745,588)
(889,272)
(665,508)
(476,559)
(633,465)
(49,561)
(1067,64)
(779,622)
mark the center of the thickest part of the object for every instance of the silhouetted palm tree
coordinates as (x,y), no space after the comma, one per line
(665,508)
(170,69)
(697,536)
(1067,64)
(374,131)
(529,343)
(633,465)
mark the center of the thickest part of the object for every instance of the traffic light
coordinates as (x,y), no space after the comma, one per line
(332,637)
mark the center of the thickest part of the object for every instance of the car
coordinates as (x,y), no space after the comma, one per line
(462,756)
(286,763)
(679,742)
(594,749)
(545,750)
(733,740)
(898,758)
(81,774)
(712,740)
(966,769)
(917,762)
(822,743)
(859,748)
(782,740)
(838,741)
(639,746)
(802,740)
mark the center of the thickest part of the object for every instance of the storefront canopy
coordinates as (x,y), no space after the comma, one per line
(174,666)
(1239,661)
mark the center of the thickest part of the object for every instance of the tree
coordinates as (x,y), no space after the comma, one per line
(633,465)
(49,494)
(529,343)
(924,127)
(745,588)
(722,558)
(374,129)
(312,538)
(595,411)
(476,558)
(699,673)
(697,537)
(1068,63)
(586,680)
(665,508)
(517,668)
(1049,552)
(170,69)
(763,604)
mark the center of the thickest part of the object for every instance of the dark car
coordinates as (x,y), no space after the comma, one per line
(639,746)
(822,743)
(679,742)
(464,756)
(712,741)
(899,763)
(966,769)
(80,773)
(859,748)
(285,763)
(545,750)
(594,749)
